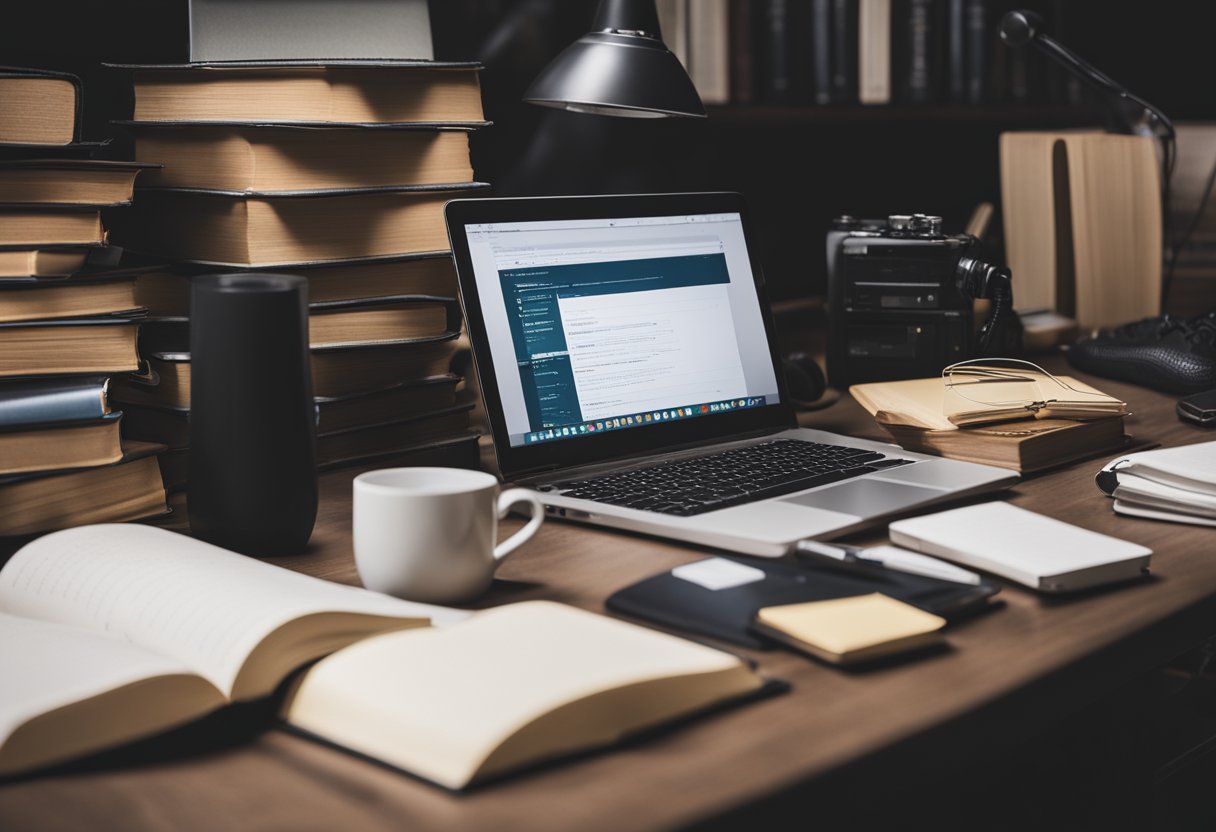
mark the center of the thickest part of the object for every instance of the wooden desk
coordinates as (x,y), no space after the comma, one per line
(835,736)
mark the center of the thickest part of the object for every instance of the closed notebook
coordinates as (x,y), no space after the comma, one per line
(851,630)
(1028,548)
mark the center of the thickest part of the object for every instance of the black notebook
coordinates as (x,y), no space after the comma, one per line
(726,613)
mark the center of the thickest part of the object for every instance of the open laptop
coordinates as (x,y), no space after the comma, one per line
(625,351)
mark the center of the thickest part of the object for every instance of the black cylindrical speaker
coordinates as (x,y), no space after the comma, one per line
(253,455)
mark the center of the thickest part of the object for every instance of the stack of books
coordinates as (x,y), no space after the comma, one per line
(67,322)
(337,172)
(922,415)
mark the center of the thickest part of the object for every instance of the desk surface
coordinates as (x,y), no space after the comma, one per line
(1034,659)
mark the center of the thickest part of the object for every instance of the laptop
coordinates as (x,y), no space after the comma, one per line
(625,352)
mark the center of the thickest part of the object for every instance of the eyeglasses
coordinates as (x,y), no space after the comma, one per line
(1017,385)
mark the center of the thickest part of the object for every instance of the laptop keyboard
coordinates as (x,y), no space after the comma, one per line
(742,475)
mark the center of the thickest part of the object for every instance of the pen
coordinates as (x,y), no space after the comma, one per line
(857,559)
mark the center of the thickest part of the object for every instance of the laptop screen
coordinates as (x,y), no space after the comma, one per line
(611,324)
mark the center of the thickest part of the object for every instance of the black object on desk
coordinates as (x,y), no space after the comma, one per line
(678,604)
(253,447)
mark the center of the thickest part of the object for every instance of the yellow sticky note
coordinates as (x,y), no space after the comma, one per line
(844,630)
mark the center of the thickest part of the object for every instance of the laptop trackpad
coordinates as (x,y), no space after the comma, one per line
(866,497)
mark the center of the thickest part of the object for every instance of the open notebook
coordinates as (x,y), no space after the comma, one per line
(111,633)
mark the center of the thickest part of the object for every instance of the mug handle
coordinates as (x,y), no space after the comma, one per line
(506,501)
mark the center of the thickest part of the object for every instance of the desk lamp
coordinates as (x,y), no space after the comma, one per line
(620,68)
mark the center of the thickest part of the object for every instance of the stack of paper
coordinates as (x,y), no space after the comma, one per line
(1177,484)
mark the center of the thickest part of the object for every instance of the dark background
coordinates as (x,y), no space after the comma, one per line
(798,165)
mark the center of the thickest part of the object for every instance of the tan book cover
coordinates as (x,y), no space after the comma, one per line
(1082,214)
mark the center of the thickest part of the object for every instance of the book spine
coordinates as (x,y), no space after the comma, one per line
(874,52)
(919,37)
(673,24)
(778,76)
(956,67)
(742,59)
(709,49)
(976,51)
(33,404)
(844,51)
(821,51)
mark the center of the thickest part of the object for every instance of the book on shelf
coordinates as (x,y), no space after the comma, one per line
(1083,223)
(336,371)
(270,159)
(843,57)
(709,49)
(40,107)
(41,228)
(65,347)
(116,632)
(874,52)
(68,181)
(68,297)
(776,50)
(433,274)
(975,25)
(42,262)
(673,25)
(914,65)
(130,489)
(309,92)
(257,230)
(522,684)
(742,61)
(820,47)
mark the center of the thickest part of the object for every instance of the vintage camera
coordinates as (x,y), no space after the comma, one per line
(901,300)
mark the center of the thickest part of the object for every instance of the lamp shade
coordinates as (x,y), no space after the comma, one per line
(620,68)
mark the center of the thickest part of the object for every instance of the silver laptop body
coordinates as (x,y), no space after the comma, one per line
(621,332)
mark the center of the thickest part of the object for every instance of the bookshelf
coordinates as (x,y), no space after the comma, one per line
(795,114)
(801,164)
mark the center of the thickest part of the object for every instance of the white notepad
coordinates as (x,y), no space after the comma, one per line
(1025,547)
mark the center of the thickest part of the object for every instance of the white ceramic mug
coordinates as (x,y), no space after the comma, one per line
(427,534)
